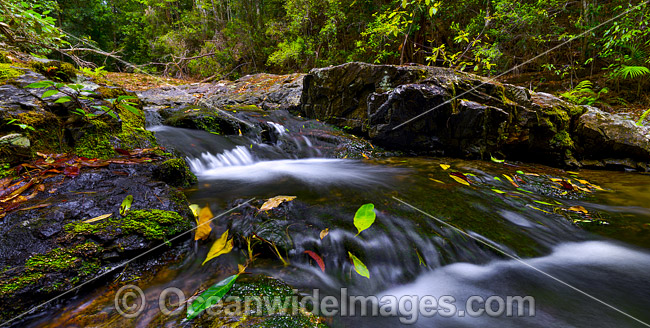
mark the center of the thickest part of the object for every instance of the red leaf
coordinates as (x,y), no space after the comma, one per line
(460,175)
(71,171)
(122,151)
(318,259)
(566,185)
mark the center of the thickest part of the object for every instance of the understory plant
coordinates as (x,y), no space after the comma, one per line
(583,94)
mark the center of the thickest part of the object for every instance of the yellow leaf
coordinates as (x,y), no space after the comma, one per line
(221,246)
(459,180)
(275,202)
(99,218)
(571,172)
(438,181)
(195,210)
(324,233)
(203,228)
(445,166)
(579,209)
(365,156)
(511,181)
(241,268)
(583,181)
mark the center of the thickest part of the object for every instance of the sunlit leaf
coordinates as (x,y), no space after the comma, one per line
(126,205)
(364,217)
(195,208)
(498,191)
(99,218)
(497,160)
(203,227)
(317,258)
(544,203)
(221,246)
(274,202)
(210,297)
(445,166)
(49,93)
(459,180)
(435,180)
(511,181)
(63,99)
(39,85)
(578,209)
(359,267)
(324,233)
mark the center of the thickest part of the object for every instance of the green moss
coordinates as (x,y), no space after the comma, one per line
(244,108)
(95,142)
(60,259)
(4,59)
(8,73)
(562,139)
(55,70)
(155,224)
(176,173)
(19,282)
(151,224)
(5,170)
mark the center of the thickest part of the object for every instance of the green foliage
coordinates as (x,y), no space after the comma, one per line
(583,94)
(364,217)
(642,118)
(210,297)
(28,25)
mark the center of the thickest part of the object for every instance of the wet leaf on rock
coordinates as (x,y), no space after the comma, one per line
(359,267)
(316,258)
(203,227)
(126,205)
(364,217)
(274,202)
(210,297)
(221,246)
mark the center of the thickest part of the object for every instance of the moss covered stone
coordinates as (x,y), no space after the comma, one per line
(7,73)
(55,70)
(151,224)
(95,141)
(176,173)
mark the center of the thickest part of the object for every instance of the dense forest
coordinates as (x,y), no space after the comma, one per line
(572,40)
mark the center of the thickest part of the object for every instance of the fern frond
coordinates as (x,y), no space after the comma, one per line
(632,72)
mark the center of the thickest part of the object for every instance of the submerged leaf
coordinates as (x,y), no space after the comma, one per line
(203,227)
(221,246)
(99,218)
(511,181)
(274,202)
(324,233)
(445,166)
(459,179)
(126,205)
(210,297)
(359,267)
(317,258)
(364,217)
(578,209)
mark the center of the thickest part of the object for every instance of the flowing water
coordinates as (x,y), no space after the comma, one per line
(583,255)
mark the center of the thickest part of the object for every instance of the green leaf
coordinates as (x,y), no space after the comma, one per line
(131,109)
(75,87)
(49,93)
(122,98)
(359,267)
(210,297)
(126,205)
(364,217)
(41,84)
(63,99)
(497,160)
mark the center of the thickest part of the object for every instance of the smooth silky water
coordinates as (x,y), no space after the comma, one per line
(604,254)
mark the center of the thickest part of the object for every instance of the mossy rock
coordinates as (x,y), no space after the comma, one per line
(7,72)
(55,70)
(4,59)
(150,224)
(175,172)
(206,120)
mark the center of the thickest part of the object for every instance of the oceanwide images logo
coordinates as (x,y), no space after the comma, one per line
(130,302)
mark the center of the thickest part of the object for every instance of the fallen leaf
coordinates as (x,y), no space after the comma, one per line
(195,208)
(364,217)
(511,181)
(365,156)
(497,160)
(35,207)
(460,180)
(317,258)
(578,209)
(498,191)
(324,233)
(71,171)
(203,227)
(274,202)
(359,267)
(99,218)
(445,166)
(126,205)
(438,181)
(210,297)
(221,246)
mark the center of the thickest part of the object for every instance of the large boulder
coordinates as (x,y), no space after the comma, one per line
(433,110)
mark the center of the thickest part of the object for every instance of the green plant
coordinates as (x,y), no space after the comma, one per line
(77,93)
(96,72)
(583,94)
(17,123)
(642,118)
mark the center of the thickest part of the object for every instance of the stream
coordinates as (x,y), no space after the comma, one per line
(519,236)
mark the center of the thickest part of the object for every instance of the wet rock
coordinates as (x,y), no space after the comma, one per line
(175,172)
(218,122)
(47,250)
(15,140)
(432,110)
(603,135)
